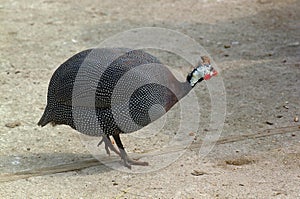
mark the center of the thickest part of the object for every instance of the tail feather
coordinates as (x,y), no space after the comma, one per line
(46,118)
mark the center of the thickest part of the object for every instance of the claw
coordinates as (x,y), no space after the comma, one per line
(121,152)
(128,161)
(108,145)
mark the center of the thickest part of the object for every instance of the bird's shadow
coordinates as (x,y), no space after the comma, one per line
(24,166)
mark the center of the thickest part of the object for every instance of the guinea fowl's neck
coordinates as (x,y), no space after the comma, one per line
(185,88)
(178,91)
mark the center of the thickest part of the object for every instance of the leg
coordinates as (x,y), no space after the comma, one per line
(127,161)
(108,145)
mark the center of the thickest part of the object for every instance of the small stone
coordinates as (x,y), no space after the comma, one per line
(286,107)
(269,123)
(279,116)
(227,46)
(198,173)
(296,119)
(294,44)
(28,149)
(239,161)
(191,134)
(13,124)
(115,183)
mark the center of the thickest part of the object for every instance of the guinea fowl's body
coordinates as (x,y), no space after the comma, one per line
(103,92)
(94,77)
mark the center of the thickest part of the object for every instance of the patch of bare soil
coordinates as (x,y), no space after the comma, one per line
(254,43)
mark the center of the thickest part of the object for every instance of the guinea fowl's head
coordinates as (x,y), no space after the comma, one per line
(203,71)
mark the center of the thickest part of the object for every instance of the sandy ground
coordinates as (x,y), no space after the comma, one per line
(254,43)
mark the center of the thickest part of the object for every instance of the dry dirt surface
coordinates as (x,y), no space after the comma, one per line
(256,45)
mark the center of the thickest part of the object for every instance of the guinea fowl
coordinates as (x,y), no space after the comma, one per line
(109,91)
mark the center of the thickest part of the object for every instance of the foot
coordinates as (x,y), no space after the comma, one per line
(128,161)
(108,145)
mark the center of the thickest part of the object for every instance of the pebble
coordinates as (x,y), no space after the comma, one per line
(296,119)
(294,44)
(13,124)
(286,107)
(15,162)
(270,123)
(198,173)
(191,134)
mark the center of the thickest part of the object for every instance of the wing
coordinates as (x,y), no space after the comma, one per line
(89,78)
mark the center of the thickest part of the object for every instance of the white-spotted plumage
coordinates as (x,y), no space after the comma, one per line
(84,93)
